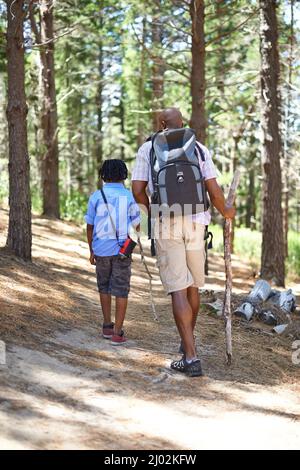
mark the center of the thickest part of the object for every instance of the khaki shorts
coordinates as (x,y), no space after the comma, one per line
(180,253)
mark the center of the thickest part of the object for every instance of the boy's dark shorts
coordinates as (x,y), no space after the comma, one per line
(113,275)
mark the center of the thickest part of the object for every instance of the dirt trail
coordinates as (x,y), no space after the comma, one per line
(64,387)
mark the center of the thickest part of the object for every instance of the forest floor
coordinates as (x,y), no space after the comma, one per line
(65,387)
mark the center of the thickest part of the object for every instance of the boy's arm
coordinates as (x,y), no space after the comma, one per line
(218,200)
(89,234)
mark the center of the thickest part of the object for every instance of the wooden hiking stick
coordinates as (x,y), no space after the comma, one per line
(228,270)
(150,278)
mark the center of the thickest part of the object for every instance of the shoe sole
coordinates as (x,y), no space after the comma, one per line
(118,344)
(177,370)
(107,336)
(188,373)
(194,374)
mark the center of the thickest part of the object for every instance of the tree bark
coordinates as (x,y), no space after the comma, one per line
(141,135)
(287,137)
(122,122)
(158,68)
(250,204)
(198,85)
(50,166)
(99,98)
(79,159)
(19,230)
(272,259)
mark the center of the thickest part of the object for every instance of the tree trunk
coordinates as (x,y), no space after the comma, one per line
(198,119)
(79,159)
(272,259)
(50,165)
(250,204)
(99,98)
(287,137)
(122,122)
(69,121)
(141,135)
(234,163)
(158,65)
(19,230)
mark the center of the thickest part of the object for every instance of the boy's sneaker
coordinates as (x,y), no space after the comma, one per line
(118,339)
(191,369)
(108,330)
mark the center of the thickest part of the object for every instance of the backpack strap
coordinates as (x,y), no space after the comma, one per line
(201,153)
(207,204)
(152,163)
(208,237)
(110,216)
(154,196)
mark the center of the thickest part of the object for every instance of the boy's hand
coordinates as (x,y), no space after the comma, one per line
(229,212)
(92,259)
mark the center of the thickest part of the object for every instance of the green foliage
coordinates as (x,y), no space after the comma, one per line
(293,260)
(247,244)
(73,206)
(36,200)
(3,194)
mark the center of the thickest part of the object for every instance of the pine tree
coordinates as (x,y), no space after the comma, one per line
(19,231)
(272,259)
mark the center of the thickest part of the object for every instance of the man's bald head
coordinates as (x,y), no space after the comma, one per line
(170,118)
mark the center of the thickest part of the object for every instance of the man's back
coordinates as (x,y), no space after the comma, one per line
(142,172)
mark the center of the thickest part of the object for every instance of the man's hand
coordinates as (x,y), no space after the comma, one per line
(229,212)
(92,259)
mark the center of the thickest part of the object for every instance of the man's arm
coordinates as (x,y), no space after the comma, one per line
(140,195)
(218,200)
(89,234)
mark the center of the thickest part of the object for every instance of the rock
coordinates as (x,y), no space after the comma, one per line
(268,317)
(280,328)
(217,307)
(260,292)
(285,300)
(245,311)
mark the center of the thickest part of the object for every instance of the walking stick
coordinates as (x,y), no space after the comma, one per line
(228,270)
(150,278)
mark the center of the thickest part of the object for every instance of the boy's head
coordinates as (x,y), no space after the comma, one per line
(113,171)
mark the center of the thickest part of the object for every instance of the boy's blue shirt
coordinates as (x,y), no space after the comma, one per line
(125,213)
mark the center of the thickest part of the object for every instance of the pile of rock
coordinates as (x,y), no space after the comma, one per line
(268,305)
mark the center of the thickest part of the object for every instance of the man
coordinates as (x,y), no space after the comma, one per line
(181,257)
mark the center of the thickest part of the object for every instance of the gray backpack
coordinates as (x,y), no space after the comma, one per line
(176,174)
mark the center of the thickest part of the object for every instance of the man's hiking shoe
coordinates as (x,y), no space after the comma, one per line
(181,347)
(192,369)
(108,330)
(118,339)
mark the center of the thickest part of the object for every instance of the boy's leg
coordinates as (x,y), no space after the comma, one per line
(103,271)
(120,285)
(121,306)
(105,300)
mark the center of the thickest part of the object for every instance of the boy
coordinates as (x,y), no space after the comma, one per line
(111,215)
